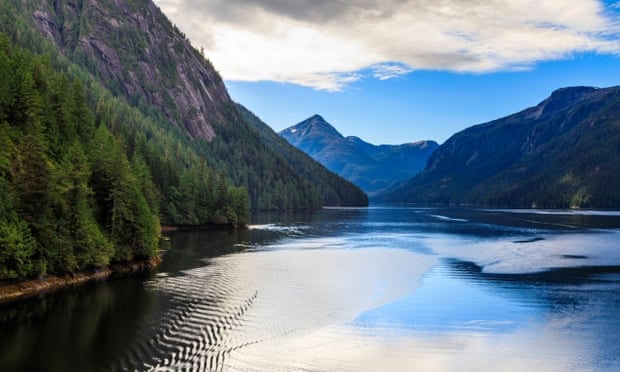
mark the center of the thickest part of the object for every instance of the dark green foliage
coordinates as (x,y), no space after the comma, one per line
(79,190)
(321,186)
(185,113)
(18,249)
(565,152)
(115,124)
(122,206)
(17,246)
(47,223)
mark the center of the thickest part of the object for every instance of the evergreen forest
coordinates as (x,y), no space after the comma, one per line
(78,189)
(92,164)
(163,115)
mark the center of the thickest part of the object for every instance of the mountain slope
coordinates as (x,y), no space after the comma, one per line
(70,196)
(564,152)
(132,49)
(330,186)
(373,168)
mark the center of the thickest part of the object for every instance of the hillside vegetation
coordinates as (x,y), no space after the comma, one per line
(107,133)
(72,194)
(133,51)
(564,152)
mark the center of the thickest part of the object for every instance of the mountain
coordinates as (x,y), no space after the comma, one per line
(110,125)
(139,54)
(564,152)
(134,52)
(331,186)
(71,197)
(373,168)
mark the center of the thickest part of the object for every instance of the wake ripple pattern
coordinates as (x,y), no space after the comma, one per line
(199,331)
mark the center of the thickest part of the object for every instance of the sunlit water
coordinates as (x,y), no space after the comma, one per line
(394,289)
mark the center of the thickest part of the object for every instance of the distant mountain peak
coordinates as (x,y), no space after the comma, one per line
(315,126)
(562,99)
(572,91)
(372,167)
(317,120)
(316,117)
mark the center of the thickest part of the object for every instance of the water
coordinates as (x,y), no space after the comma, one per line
(372,289)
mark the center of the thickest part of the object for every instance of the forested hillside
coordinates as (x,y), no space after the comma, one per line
(331,187)
(92,162)
(73,195)
(564,152)
(132,49)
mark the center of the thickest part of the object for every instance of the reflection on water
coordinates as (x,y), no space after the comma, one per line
(446,302)
(348,289)
(75,329)
(239,301)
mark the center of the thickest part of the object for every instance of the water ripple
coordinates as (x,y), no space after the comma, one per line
(197,332)
(238,301)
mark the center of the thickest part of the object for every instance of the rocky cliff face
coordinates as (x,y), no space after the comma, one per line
(130,49)
(130,45)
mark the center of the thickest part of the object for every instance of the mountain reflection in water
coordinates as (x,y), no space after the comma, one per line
(383,288)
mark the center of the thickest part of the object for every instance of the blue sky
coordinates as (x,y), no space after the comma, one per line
(393,71)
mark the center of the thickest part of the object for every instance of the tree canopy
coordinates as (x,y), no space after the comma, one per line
(80,187)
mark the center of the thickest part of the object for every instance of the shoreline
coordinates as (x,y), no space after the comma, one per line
(21,290)
(11,292)
(204,227)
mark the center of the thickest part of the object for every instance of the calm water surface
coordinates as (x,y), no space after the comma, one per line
(382,288)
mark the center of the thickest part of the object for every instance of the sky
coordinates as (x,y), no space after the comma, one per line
(397,71)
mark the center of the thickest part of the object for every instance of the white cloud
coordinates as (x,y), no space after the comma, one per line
(325,44)
(385,71)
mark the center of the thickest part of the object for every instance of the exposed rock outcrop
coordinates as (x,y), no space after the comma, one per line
(121,41)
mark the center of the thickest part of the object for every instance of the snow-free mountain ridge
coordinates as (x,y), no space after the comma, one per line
(371,167)
(563,152)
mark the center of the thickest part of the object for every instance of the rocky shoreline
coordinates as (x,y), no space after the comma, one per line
(10,292)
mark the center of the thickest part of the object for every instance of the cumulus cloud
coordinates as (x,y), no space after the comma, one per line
(325,44)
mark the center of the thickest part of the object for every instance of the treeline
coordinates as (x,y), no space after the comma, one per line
(327,187)
(189,191)
(81,185)
(275,180)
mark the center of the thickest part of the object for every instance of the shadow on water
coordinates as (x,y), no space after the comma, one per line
(531,218)
(127,325)
(570,275)
(189,249)
(202,305)
(124,324)
(75,329)
(265,228)
(582,301)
